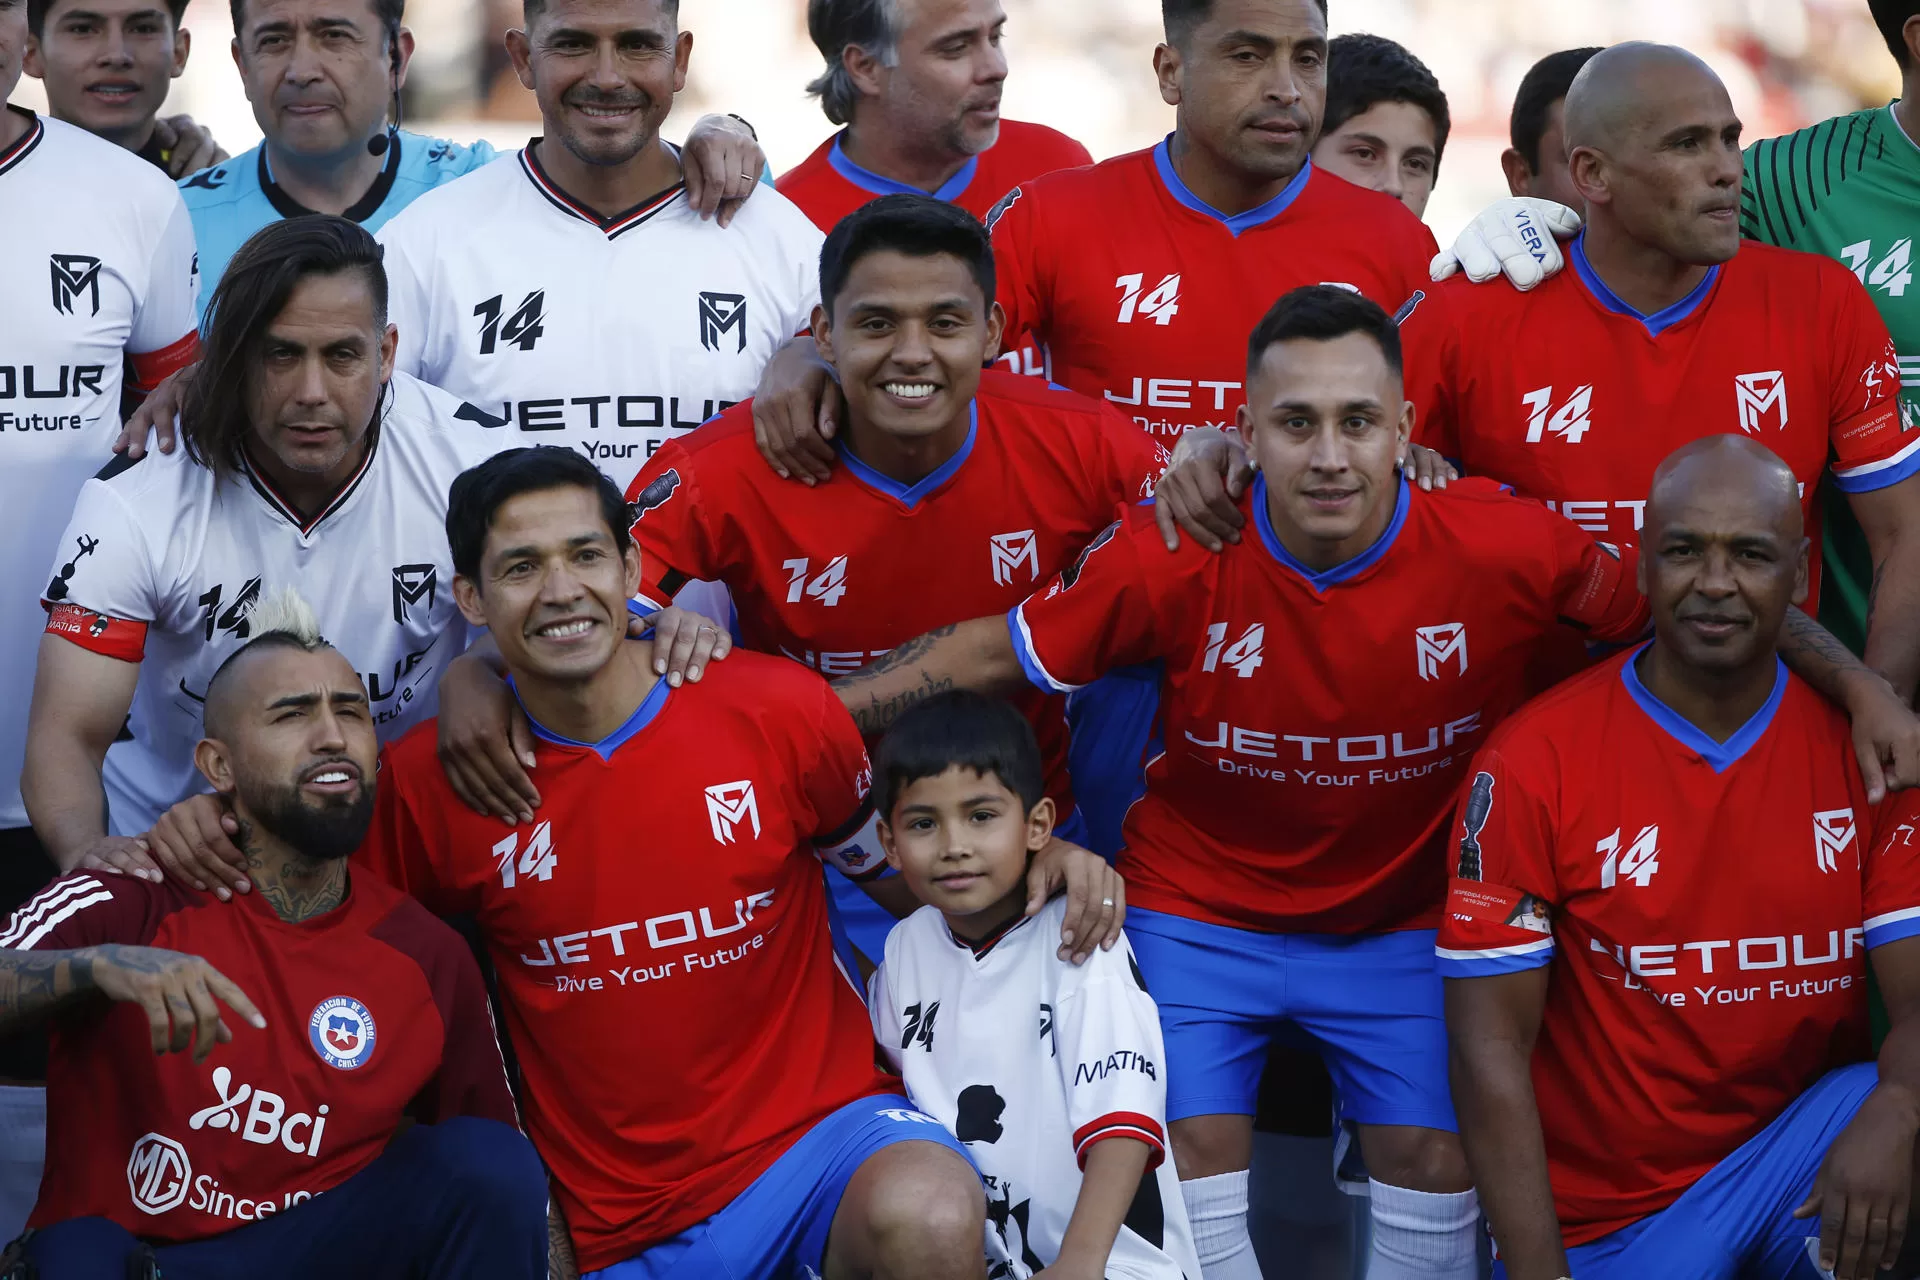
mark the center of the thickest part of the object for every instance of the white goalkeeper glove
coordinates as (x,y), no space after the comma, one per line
(1516,237)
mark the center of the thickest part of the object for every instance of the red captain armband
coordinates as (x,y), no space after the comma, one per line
(151,367)
(98,633)
(1497,904)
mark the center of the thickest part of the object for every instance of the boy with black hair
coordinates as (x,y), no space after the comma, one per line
(107,66)
(1386,122)
(1067,1125)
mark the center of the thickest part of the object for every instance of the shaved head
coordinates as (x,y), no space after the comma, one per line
(1717,469)
(1628,88)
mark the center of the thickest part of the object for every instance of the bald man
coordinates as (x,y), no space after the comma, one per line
(1669,328)
(1668,884)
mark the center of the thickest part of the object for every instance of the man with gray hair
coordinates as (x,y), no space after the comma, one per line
(917,85)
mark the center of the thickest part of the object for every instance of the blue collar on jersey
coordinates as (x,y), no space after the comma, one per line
(1657,323)
(1720,755)
(868,180)
(643,715)
(911,494)
(1341,572)
(1238,222)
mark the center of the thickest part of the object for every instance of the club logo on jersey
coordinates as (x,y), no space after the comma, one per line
(728,805)
(1243,655)
(1571,421)
(522,329)
(1758,395)
(721,314)
(1160,304)
(1434,647)
(1012,550)
(266,1121)
(158,1174)
(658,490)
(1833,833)
(73,275)
(411,582)
(1637,862)
(1474,819)
(342,1033)
(57,589)
(208,179)
(999,210)
(1071,574)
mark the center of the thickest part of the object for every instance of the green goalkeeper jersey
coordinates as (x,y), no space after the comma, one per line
(1848,188)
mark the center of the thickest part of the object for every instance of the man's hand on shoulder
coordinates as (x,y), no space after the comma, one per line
(1517,237)
(119,856)
(723,163)
(194,843)
(797,409)
(1096,897)
(684,643)
(156,415)
(189,145)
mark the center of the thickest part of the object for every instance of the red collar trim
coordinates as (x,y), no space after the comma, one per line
(610,227)
(992,940)
(36,130)
(263,487)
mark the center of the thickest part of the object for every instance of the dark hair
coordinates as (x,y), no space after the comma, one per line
(531,9)
(38,11)
(1545,83)
(389,13)
(839,25)
(1321,313)
(960,728)
(1364,70)
(1892,16)
(1182,16)
(916,225)
(479,492)
(258,281)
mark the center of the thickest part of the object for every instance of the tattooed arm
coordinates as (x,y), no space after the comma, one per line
(560,1260)
(975,655)
(177,992)
(1890,519)
(1886,734)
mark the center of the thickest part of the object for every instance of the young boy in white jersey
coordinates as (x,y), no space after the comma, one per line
(1048,1073)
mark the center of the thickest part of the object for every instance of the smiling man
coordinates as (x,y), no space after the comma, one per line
(308,462)
(1285,863)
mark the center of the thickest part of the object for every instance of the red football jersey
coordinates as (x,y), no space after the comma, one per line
(837,574)
(375,1012)
(1570,396)
(1141,292)
(1310,792)
(827,186)
(660,934)
(1705,907)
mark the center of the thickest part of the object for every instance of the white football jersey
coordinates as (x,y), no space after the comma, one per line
(1029,1061)
(168,544)
(96,265)
(606,335)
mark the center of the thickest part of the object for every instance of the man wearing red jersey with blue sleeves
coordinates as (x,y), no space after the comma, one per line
(282,1139)
(699,1067)
(1668,884)
(1287,852)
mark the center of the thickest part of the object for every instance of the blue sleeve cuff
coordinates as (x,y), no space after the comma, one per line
(1029,661)
(1892,927)
(1493,962)
(1880,475)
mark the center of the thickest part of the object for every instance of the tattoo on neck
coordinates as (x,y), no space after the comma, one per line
(301,888)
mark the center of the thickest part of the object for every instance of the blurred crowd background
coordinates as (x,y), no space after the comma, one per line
(1084,66)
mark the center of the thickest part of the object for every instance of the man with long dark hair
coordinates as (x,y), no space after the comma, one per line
(307,461)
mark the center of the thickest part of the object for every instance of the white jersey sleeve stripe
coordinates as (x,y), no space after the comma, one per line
(1869,476)
(1037,673)
(49,899)
(73,907)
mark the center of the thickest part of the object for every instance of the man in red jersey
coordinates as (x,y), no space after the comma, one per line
(699,1070)
(1289,847)
(1668,328)
(998,481)
(280,1140)
(1669,880)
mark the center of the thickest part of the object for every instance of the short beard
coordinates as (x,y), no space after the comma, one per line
(322,832)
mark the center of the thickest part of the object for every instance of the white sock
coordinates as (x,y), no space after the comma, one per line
(1217,1209)
(1420,1235)
(23,1153)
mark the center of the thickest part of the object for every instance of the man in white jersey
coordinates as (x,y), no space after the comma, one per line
(571,294)
(308,463)
(96,266)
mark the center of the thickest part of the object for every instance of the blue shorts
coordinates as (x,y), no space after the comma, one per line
(1371,1006)
(778,1226)
(1737,1222)
(1112,722)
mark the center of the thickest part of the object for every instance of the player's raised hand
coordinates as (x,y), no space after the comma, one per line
(1516,237)
(119,856)
(723,162)
(156,415)
(1096,897)
(796,413)
(194,843)
(684,643)
(1862,1191)
(1427,469)
(189,145)
(1201,491)
(485,742)
(177,992)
